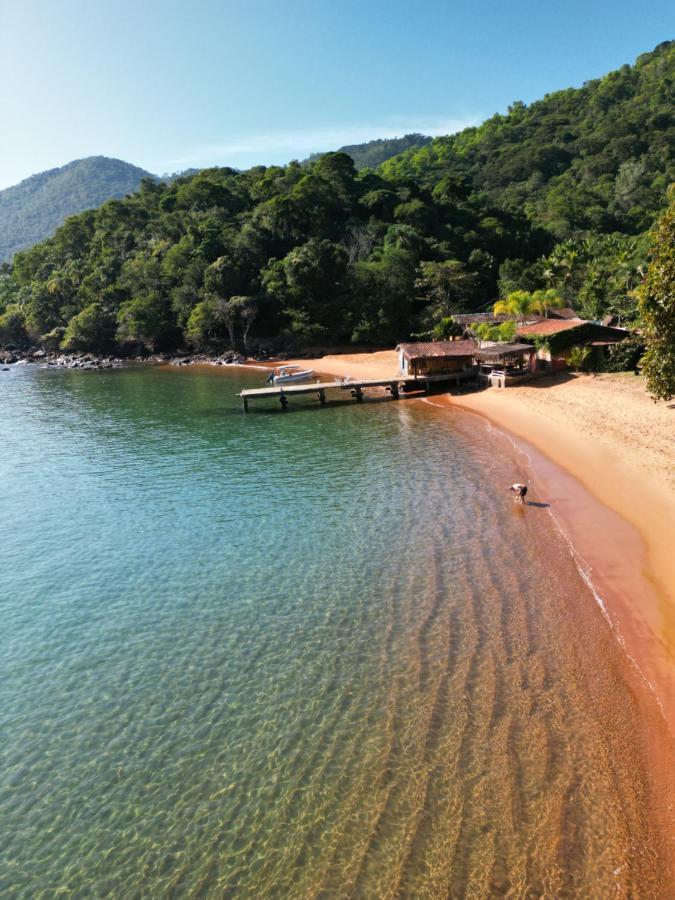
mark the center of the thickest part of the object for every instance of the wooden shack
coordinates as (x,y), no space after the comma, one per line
(502,364)
(556,338)
(435,359)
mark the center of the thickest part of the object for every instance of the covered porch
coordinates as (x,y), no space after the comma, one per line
(437,360)
(500,365)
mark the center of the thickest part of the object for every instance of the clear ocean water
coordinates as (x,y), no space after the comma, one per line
(311,654)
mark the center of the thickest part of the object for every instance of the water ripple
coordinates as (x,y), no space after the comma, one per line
(303,655)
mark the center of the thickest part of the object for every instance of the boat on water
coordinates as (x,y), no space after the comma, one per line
(290,375)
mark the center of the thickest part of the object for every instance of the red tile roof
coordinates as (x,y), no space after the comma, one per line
(438,348)
(550,326)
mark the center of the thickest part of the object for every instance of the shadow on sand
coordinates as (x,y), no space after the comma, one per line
(548,379)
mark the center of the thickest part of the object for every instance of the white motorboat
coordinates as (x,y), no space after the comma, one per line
(290,375)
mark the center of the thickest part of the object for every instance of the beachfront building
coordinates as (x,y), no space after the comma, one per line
(438,360)
(500,365)
(555,338)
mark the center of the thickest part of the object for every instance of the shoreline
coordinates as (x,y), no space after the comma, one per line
(628,557)
(621,541)
(613,581)
(616,509)
(620,524)
(610,553)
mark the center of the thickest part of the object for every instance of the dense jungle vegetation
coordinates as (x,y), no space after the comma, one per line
(558,195)
(657,308)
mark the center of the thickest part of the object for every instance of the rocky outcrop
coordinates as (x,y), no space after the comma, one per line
(230,358)
(85,361)
(60,360)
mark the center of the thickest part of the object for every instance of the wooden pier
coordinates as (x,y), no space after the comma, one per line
(355,387)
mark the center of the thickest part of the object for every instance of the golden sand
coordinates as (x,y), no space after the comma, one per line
(620,446)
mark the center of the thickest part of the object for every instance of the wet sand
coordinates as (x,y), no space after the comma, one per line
(603,437)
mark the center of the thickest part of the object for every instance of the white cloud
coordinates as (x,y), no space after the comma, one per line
(270,148)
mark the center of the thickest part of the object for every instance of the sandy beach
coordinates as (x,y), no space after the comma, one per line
(379,364)
(602,454)
(619,445)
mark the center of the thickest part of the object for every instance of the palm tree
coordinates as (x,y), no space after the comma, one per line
(518,304)
(578,358)
(542,301)
(564,264)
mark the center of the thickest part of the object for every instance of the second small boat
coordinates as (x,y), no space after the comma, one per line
(290,375)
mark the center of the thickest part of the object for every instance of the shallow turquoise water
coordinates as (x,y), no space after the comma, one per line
(288,654)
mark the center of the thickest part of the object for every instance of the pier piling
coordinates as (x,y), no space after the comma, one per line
(392,385)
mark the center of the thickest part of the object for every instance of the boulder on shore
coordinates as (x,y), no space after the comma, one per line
(38,356)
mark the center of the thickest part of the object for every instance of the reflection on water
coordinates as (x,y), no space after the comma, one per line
(301,655)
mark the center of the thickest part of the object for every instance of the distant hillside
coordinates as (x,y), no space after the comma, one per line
(168,177)
(594,159)
(33,210)
(373,153)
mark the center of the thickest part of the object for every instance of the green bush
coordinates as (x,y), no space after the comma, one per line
(623,357)
(507,332)
(504,332)
(446,329)
(91,329)
(52,339)
(579,358)
(146,321)
(13,327)
(657,306)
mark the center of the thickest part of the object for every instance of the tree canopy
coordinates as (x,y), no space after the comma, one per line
(657,305)
(597,159)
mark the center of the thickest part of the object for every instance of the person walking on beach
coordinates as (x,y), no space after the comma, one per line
(518,491)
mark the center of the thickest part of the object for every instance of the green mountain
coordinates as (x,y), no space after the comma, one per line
(556,195)
(32,210)
(594,159)
(371,154)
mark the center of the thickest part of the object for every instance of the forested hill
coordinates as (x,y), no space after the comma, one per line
(32,210)
(594,159)
(557,195)
(373,153)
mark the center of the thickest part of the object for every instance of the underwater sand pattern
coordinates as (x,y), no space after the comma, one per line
(319,654)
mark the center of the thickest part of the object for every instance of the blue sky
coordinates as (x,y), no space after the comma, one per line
(168,85)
